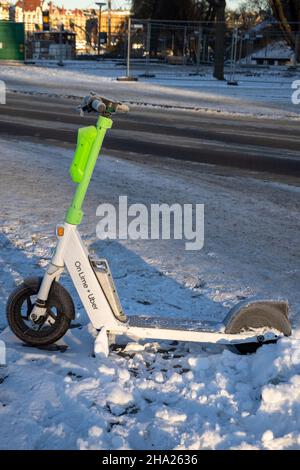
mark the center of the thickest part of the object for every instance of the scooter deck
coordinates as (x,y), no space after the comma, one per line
(138,327)
(175,324)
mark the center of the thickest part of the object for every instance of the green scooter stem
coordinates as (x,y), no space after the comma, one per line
(74,214)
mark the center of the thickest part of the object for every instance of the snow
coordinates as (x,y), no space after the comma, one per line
(76,405)
(151,395)
(274,50)
(262,93)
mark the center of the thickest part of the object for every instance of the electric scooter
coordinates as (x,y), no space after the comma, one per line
(40,310)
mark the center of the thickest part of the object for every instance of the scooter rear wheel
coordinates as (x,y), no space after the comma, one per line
(250,316)
(54,325)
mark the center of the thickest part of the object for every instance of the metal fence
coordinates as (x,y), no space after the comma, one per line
(50,45)
(175,49)
(165,49)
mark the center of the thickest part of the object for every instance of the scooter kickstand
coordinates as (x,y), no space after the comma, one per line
(101,346)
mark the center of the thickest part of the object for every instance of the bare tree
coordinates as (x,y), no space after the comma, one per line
(190,10)
(287,12)
(181,10)
(218,12)
(254,6)
(185,10)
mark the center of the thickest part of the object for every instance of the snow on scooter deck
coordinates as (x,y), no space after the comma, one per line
(137,328)
(144,321)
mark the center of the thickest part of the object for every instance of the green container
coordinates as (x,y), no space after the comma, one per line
(85,140)
(12,40)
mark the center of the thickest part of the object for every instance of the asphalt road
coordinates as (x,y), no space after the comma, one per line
(253,143)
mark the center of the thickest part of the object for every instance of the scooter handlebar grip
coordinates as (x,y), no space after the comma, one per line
(98,106)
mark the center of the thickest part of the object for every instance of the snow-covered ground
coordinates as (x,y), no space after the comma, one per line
(265,93)
(152,396)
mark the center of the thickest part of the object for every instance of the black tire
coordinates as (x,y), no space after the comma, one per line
(60,311)
(249,348)
(259,315)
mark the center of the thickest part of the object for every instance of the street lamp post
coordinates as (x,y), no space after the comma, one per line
(60,62)
(109,22)
(100,5)
(128,77)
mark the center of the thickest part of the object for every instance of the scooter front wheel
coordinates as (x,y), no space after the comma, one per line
(52,326)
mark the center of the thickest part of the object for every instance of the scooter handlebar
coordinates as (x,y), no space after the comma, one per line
(98,106)
(102,105)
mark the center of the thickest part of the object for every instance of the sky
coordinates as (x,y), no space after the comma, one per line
(115,3)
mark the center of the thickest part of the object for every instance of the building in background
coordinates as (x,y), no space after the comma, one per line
(118,19)
(39,15)
(118,24)
(52,45)
(277,52)
(4,11)
(71,20)
(28,12)
(84,22)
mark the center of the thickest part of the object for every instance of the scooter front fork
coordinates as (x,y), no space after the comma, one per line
(39,309)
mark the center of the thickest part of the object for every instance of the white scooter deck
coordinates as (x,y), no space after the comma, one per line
(139,327)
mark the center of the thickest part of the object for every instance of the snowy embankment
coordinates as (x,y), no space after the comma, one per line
(152,396)
(262,94)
